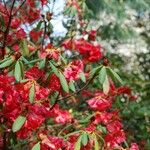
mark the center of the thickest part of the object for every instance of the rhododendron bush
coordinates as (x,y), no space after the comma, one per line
(56,94)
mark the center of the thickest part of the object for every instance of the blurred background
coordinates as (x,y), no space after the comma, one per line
(123,30)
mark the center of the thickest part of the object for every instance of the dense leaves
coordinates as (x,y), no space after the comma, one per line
(57,93)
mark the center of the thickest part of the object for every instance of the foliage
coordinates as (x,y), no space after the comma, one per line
(58,93)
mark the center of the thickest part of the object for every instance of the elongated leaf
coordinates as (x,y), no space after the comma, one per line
(115,75)
(78,143)
(24,47)
(32,94)
(36,146)
(7,58)
(39,25)
(42,64)
(84,139)
(22,69)
(55,70)
(102,75)
(72,86)
(53,98)
(94,71)
(96,144)
(63,59)
(63,82)
(6,63)
(82,77)
(106,85)
(17,72)
(19,122)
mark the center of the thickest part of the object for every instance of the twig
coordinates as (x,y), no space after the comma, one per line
(7,29)
(81,89)
(44,34)
(5,7)
(19,7)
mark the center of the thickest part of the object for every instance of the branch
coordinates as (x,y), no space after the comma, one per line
(7,29)
(19,7)
(75,93)
(5,7)
(44,34)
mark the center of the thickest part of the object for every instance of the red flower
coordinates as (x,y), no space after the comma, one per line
(92,35)
(52,143)
(34,14)
(106,117)
(50,52)
(113,139)
(35,35)
(73,70)
(89,51)
(54,83)
(20,34)
(63,117)
(15,23)
(43,2)
(98,103)
(114,126)
(34,73)
(134,146)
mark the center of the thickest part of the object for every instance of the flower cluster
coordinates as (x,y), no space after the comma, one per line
(49,99)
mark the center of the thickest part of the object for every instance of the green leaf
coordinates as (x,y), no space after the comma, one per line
(42,64)
(53,98)
(63,82)
(115,75)
(6,63)
(24,47)
(39,25)
(32,93)
(17,72)
(7,58)
(19,122)
(54,69)
(82,77)
(63,59)
(96,144)
(72,86)
(36,146)
(106,85)
(102,75)
(78,143)
(94,71)
(84,139)
(22,69)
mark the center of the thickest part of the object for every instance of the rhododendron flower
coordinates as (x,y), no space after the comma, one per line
(34,15)
(15,23)
(114,139)
(41,93)
(134,146)
(34,73)
(114,126)
(63,117)
(98,103)
(73,70)
(52,143)
(35,35)
(54,83)
(89,51)
(106,117)
(92,35)
(43,2)
(20,34)
(50,52)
